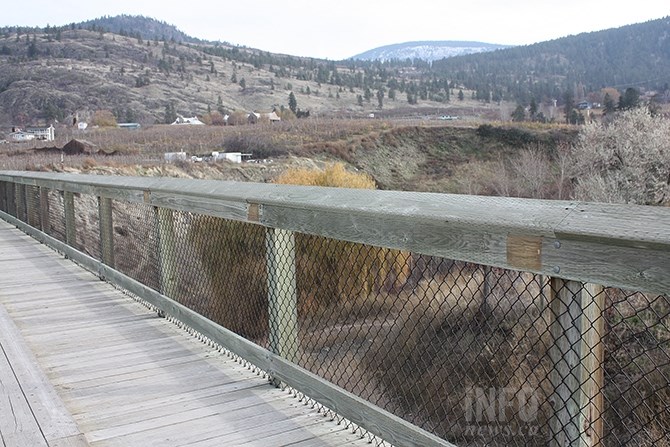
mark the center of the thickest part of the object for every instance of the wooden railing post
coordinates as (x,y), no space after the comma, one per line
(44,209)
(166,251)
(282,293)
(576,353)
(593,364)
(32,208)
(11,198)
(106,230)
(21,209)
(70,228)
(3,196)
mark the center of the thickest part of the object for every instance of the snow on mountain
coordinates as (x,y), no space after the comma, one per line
(428,51)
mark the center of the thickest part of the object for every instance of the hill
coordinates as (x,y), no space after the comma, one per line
(139,26)
(53,73)
(631,56)
(144,70)
(426,50)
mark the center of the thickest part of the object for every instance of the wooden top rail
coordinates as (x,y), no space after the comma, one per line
(625,246)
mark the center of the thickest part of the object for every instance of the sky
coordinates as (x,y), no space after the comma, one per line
(339,29)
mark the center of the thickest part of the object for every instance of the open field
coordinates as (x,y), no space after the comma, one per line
(403,154)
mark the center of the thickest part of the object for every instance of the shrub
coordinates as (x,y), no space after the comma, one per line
(334,175)
(329,272)
(627,161)
(104,118)
(338,273)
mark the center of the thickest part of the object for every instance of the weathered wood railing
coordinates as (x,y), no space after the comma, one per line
(576,245)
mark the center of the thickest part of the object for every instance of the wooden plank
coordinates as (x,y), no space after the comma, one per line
(593,364)
(144,397)
(282,293)
(577,356)
(21,203)
(70,225)
(592,261)
(43,405)
(167,403)
(361,412)
(3,196)
(106,230)
(524,252)
(18,426)
(240,408)
(45,225)
(469,228)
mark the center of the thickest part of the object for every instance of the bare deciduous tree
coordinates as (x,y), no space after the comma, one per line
(627,161)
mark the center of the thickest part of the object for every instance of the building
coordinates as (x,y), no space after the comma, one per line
(256,117)
(42,133)
(194,120)
(129,125)
(20,135)
(233,157)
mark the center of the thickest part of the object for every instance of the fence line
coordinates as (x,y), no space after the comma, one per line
(366,317)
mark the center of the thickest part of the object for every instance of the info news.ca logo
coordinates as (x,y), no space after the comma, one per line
(501,411)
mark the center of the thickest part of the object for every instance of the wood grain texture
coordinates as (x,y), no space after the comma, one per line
(377,421)
(626,239)
(524,252)
(125,376)
(577,356)
(106,227)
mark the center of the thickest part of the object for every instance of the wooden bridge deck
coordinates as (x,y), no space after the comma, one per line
(83,364)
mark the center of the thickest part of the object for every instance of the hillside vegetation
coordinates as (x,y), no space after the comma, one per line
(140,69)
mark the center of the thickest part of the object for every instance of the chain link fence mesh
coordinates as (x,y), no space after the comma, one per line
(56,215)
(474,354)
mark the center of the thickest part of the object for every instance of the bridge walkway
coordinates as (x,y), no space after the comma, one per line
(83,364)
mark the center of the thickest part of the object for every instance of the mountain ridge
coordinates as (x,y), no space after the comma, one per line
(49,74)
(428,50)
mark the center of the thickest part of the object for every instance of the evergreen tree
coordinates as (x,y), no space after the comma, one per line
(367,94)
(568,108)
(532,109)
(519,113)
(380,98)
(32,50)
(630,99)
(170,113)
(461,96)
(292,103)
(608,104)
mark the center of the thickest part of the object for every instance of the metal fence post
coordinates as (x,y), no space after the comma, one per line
(282,293)
(44,209)
(576,353)
(106,230)
(70,228)
(166,251)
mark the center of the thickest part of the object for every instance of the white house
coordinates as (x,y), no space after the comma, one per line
(233,157)
(174,156)
(21,136)
(194,120)
(42,133)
